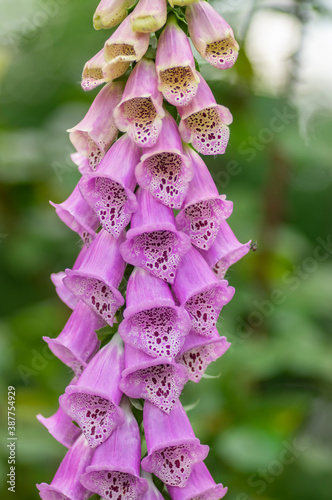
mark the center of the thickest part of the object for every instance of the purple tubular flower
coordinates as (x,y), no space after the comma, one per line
(100,273)
(152,321)
(61,427)
(164,170)
(149,16)
(110,13)
(157,380)
(200,486)
(153,242)
(177,77)
(114,470)
(203,209)
(200,291)
(153,493)
(109,191)
(225,251)
(78,216)
(124,47)
(64,294)
(212,37)
(66,484)
(93,402)
(95,133)
(82,162)
(140,111)
(78,342)
(96,71)
(198,352)
(204,122)
(172,446)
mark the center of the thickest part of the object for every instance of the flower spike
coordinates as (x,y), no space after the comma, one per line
(212,37)
(149,16)
(164,170)
(109,190)
(95,133)
(153,242)
(93,402)
(177,77)
(203,209)
(204,123)
(110,13)
(140,111)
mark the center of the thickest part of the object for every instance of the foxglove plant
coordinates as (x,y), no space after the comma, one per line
(156,321)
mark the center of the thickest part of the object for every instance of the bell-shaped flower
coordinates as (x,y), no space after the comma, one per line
(149,16)
(93,402)
(164,170)
(152,321)
(82,162)
(96,71)
(173,448)
(204,123)
(200,485)
(203,209)
(114,472)
(140,111)
(153,493)
(177,77)
(198,352)
(212,37)
(225,251)
(110,13)
(99,275)
(95,133)
(157,380)
(109,190)
(124,47)
(78,216)
(66,483)
(64,294)
(78,342)
(153,242)
(198,289)
(61,427)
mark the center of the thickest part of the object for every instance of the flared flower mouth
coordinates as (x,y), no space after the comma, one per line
(49,492)
(157,331)
(178,85)
(161,384)
(61,427)
(142,120)
(159,251)
(222,53)
(114,485)
(115,52)
(221,267)
(210,135)
(66,355)
(173,464)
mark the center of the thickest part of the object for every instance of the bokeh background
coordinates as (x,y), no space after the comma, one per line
(266,410)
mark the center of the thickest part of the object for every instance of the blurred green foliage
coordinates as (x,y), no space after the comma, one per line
(267,418)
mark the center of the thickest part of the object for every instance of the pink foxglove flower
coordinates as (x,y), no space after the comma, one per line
(212,37)
(109,190)
(93,402)
(153,493)
(157,380)
(164,170)
(95,133)
(96,71)
(177,77)
(99,275)
(200,486)
(204,123)
(124,47)
(203,209)
(82,162)
(78,342)
(115,466)
(153,242)
(173,448)
(66,483)
(149,16)
(225,251)
(152,321)
(140,111)
(61,427)
(203,295)
(78,216)
(110,13)
(198,352)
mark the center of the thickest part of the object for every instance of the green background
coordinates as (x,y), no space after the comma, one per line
(267,417)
